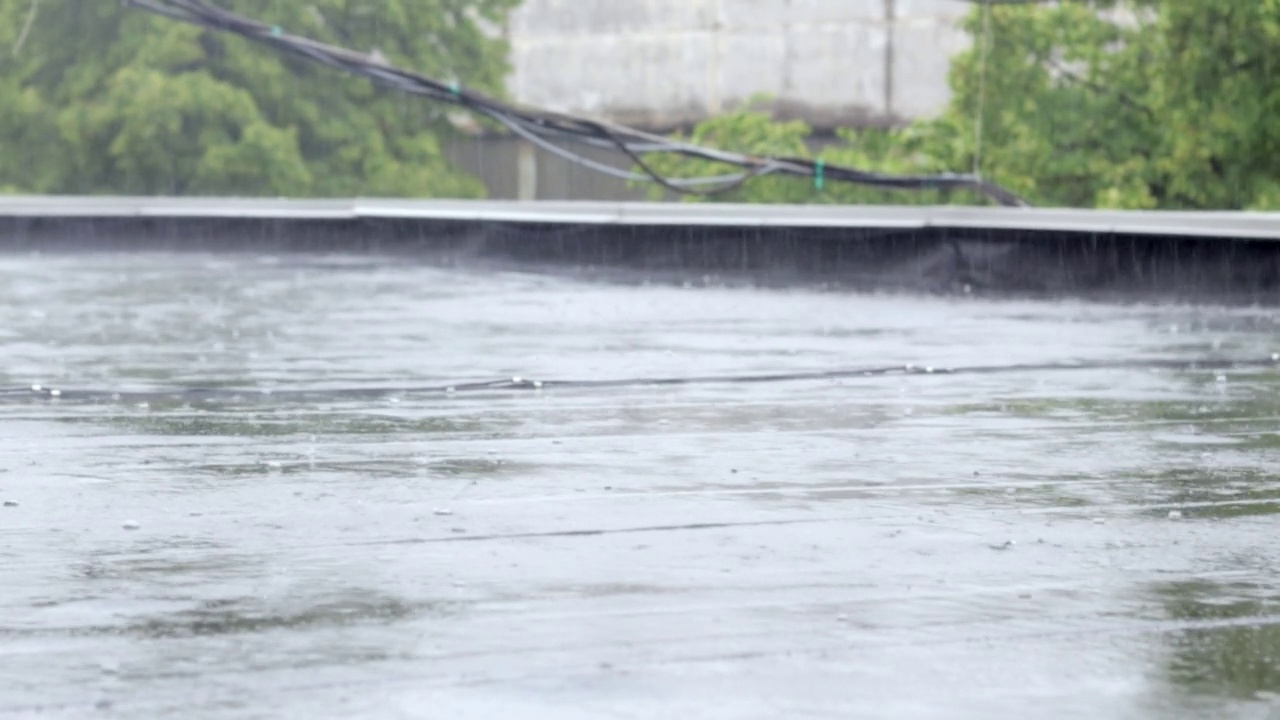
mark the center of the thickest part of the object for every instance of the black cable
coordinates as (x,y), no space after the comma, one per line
(544,127)
(233,395)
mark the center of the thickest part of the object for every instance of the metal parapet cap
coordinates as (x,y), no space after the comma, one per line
(1225,225)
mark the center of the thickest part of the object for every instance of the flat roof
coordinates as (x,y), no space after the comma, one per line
(1243,225)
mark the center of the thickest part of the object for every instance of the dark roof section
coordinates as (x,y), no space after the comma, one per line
(1223,255)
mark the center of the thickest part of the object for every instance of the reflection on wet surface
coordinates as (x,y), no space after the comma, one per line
(1238,658)
(1079,521)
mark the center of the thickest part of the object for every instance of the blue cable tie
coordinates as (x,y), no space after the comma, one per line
(819,175)
(276,31)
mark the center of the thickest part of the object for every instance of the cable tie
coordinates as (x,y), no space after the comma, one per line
(819,175)
(276,31)
(455,88)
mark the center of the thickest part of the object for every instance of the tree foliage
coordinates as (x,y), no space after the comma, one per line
(97,98)
(1119,103)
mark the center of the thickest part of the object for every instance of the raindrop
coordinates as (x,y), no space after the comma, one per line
(131,525)
(1175,514)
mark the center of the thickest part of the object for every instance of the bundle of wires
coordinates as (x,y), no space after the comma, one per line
(552,131)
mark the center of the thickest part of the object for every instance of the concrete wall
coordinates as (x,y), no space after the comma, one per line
(668,63)
(496,160)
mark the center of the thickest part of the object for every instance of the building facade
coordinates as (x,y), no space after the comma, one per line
(663,64)
(668,64)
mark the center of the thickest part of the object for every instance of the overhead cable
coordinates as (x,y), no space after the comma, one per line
(545,128)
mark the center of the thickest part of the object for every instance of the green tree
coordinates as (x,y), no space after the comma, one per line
(97,98)
(1115,103)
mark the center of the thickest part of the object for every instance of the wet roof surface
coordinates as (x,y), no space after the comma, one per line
(1096,541)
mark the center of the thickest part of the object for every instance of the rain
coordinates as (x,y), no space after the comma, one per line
(487,358)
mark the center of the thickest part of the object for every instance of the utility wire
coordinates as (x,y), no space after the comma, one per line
(543,127)
(26,27)
(981,115)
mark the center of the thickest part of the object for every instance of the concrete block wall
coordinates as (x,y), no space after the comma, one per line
(669,63)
